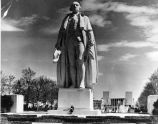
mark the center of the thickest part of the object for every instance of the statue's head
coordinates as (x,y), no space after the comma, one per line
(75,7)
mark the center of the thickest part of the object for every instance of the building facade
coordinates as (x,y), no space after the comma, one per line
(112,104)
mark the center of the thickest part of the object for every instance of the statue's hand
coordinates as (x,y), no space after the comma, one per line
(56,55)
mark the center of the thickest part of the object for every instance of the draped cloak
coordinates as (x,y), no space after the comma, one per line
(88,40)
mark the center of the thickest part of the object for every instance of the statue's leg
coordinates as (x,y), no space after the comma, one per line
(72,65)
(81,65)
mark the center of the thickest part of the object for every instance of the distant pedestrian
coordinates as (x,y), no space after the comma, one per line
(102,105)
(55,105)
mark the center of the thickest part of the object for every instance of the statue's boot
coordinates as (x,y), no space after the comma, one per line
(82,85)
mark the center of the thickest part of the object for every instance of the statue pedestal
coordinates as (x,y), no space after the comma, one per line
(150,103)
(81,99)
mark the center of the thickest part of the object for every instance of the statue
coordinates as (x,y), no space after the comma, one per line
(75,51)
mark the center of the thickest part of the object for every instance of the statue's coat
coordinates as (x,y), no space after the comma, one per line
(90,46)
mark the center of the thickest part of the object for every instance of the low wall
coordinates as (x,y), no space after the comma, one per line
(12,103)
(30,119)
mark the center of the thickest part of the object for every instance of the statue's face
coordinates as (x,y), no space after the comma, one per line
(75,7)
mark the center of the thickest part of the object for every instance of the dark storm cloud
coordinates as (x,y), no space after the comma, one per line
(33,25)
(38,24)
(107,17)
(35,16)
(23,8)
(130,22)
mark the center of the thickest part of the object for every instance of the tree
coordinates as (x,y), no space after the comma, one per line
(28,74)
(10,83)
(151,88)
(27,79)
(3,83)
(44,89)
(6,84)
(148,90)
(154,81)
(34,89)
(19,87)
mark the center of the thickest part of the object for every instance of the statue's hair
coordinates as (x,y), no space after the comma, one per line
(71,5)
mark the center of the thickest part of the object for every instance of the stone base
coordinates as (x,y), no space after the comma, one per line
(76,112)
(79,98)
(16,106)
(151,100)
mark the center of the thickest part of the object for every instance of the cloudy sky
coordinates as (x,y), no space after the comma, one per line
(125,31)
